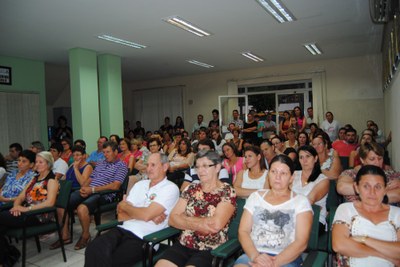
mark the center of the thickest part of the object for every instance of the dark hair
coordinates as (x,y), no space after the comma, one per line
(180,125)
(287,112)
(215,111)
(317,168)
(219,139)
(267,142)
(3,161)
(28,154)
(301,112)
(307,139)
(351,130)
(68,141)
(371,169)
(116,137)
(112,144)
(178,133)
(256,150)
(62,117)
(151,140)
(248,141)
(276,137)
(17,146)
(328,112)
(282,158)
(105,137)
(367,147)
(57,146)
(78,148)
(38,145)
(126,140)
(188,147)
(234,148)
(313,124)
(324,136)
(205,142)
(83,143)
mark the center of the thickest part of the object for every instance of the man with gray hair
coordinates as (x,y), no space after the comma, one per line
(144,211)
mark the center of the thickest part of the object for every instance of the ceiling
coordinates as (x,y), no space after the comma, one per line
(46,29)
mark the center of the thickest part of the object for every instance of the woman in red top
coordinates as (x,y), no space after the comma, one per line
(126,155)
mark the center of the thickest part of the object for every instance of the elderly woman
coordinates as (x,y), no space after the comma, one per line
(366,232)
(18,179)
(276,223)
(203,212)
(327,156)
(311,182)
(40,193)
(255,176)
(370,154)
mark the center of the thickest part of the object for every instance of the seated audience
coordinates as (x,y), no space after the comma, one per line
(268,151)
(40,193)
(135,149)
(214,123)
(193,177)
(229,135)
(344,147)
(179,125)
(255,176)
(176,140)
(82,143)
(276,223)
(126,156)
(167,142)
(180,159)
(2,169)
(328,157)
(370,154)
(18,179)
(166,127)
(366,232)
(291,136)
(232,162)
(97,155)
(354,159)
(108,174)
(199,124)
(60,167)
(236,140)
(313,130)
(341,134)
(311,182)
(139,130)
(203,213)
(115,138)
(218,141)
(141,215)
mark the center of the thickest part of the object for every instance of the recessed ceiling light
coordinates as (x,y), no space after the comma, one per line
(120,41)
(253,57)
(278,10)
(187,26)
(198,63)
(313,49)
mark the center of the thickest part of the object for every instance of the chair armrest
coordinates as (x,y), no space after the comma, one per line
(107,225)
(108,191)
(315,259)
(227,249)
(6,206)
(161,235)
(39,211)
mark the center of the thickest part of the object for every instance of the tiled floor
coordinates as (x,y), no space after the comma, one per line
(53,258)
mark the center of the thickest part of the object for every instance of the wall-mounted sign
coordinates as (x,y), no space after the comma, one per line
(5,75)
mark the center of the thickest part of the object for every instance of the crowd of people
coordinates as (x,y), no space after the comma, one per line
(191,180)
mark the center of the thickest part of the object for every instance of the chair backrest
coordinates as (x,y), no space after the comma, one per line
(331,216)
(345,162)
(333,199)
(63,194)
(234,225)
(313,241)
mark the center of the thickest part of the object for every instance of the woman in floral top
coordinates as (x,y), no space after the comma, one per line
(203,212)
(40,193)
(18,179)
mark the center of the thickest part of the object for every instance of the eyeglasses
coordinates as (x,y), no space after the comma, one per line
(204,166)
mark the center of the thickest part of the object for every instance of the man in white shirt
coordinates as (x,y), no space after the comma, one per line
(60,167)
(144,211)
(200,123)
(330,126)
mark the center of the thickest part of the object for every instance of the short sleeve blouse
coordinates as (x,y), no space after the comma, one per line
(203,204)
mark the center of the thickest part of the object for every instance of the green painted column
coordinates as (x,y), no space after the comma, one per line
(84,96)
(110,88)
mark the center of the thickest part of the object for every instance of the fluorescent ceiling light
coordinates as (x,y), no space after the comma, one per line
(251,56)
(313,49)
(187,26)
(201,64)
(120,41)
(277,10)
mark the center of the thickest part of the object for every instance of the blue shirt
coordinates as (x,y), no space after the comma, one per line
(96,156)
(13,187)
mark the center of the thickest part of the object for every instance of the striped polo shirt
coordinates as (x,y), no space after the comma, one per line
(108,172)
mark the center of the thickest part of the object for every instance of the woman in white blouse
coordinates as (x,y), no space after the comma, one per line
(366,232)
(311,182)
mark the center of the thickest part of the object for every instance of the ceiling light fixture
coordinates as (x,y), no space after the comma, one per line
(201,64)
(278,10)
(253,57)
(120,41)
(187,26)
(313,49)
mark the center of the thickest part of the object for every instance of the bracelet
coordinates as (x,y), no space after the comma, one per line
(92,189)
(364,239)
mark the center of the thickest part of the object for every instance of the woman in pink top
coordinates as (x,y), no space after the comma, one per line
(301,121)
(126,155)
(232,163)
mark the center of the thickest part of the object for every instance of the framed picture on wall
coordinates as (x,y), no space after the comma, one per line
(5,75)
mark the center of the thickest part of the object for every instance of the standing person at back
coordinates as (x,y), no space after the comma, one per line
(236,120)
(214,123)
(199,124)
(330,126)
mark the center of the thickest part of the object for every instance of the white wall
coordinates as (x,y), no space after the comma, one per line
(392,109)
(351,88)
